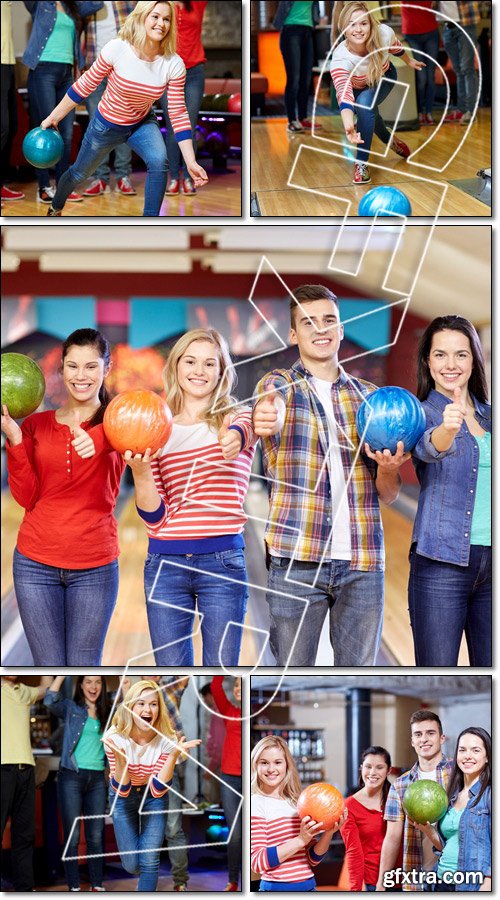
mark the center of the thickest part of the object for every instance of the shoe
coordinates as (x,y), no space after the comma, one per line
(97,187)
(429,120)
(466,118)
(75,889)
(9,194)
(188,186)
(455,116)
(307,125)
(100,888)
(45,194)
(180,887)
(173,187)
(124,186)
(74,197)
(294,128)
(361,174)
(57,212)
(231,886)
(400,148)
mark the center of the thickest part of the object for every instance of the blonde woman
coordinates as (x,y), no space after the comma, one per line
(139,65)
(191,500)
(142,748)
(283,848)
(358,64)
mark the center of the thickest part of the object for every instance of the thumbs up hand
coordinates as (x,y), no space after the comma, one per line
(82,442)
(454,413)
(269,413)
(229,439)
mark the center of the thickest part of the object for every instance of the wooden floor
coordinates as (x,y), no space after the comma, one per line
(274,153)
(220,197)
(201,882)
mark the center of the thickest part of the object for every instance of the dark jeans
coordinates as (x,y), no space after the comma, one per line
(82,793)
(427,43)
(9,116)
(445,600)
(47,85)
(370,121)
(296,45)
(18,803)
(230,804)
(139,835)
(193,92)
(461,52)
(176,839)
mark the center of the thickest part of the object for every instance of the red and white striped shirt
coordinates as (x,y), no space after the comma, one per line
(134,85)
(274,821)
(349,71)
(143,760)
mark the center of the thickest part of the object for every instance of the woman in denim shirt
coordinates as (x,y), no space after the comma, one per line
(463,834)
(450,557)
(81,783)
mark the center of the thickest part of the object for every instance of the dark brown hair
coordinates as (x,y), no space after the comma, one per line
(102,706)
(456,781)
(477,383)
(425,715)
(89,337)
(377,751)
(307,292)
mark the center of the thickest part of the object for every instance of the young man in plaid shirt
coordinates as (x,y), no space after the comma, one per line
(460,43)
(427,740)
(324,533)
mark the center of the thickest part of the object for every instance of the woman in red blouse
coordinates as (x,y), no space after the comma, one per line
(231,772)
(364,829)
(65,474)
(420,30)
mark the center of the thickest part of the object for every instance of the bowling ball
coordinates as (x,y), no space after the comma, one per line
(200,137)
(234,103)
(23,384)
(323,802)
(215,833)
(216,143)
(43,147)
(206,102)
(384,201)
(136,420)
(425,801)
(396,415)
(220,102)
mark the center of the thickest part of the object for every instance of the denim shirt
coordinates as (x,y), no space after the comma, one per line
(285,7)
(447,486)
(44,13)
(474,841)
(74,717)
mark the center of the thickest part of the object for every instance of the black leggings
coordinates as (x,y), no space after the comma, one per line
(296,45)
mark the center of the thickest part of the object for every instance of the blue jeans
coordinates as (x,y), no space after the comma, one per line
(83,793)
(65,612)
(426,88)
(47,85)
(230,804)
(123,153)
(369,119)
(193,92)
(175,836)
(145,138)
(445,600)
(136,834)
(296,45)
(213,583)
(461,53)
(354,600)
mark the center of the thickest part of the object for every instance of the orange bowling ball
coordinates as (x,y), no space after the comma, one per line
(136,420)
(323,802)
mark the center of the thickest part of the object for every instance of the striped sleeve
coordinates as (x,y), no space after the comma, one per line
(313,857)
(156,519)
(90,80)
(123,790)
(177,111)
(242,422)
(159,788)
(343,87)
(260,861)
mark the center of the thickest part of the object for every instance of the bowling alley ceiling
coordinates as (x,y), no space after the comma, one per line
(451,265)
(430,687)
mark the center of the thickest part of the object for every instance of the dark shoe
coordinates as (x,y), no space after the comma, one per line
(45,194)
(55,212)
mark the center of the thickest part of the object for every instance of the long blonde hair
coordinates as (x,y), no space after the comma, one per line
(290,787)
(214,414)
(374,42)
(123,720)
(133,29)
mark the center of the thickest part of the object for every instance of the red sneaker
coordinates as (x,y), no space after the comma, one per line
(361,174)
(75,198)
(400,148)
(455,116)
(97,187)
(173,187)
(231,886)
(124,186)
(307,124)
(9,194)
(188,186)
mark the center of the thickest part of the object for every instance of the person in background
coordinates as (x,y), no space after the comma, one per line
(81,784)
(460,45)
(231,772)
(295,22)
(18,775)
(420,30)
(52,50)
(189,15)
(214,742)
(100,28)
(9,100)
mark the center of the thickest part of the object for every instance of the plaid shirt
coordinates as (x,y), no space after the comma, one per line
(300,516)
(469,11)
(394,812)
(121,9)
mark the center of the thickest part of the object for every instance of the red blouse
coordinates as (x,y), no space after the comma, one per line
(189,25)
(231,751)
(363,835)
(69,501)
(417,21)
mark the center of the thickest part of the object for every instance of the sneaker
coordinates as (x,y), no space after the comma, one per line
(180,887)
(429,120)
(400,148)
(294,128)
(455,116)
(124,186)
(361,174)
(231,886)
(9,194)
(74,197)
(307,125)
(97,187)
(173,187)
(100,888)
(45,194)
(57,212)
(188,186)
(466,118)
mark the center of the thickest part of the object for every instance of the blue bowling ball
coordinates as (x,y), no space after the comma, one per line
(43,147)
(396,415)
(384,201)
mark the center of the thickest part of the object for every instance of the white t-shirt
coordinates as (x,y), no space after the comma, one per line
(428,855)
(450,8)
(105,26)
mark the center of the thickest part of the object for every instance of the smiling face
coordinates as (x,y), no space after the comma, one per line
(157,23)
(316,330)
(426,740)
(146,710)
(450,361)
(271,769)
(198,370)
(92,688)
(83,373)
(374,770)
(471,755)
(358,30)
(237,689)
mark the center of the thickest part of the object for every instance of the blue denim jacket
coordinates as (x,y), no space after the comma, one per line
(43,13)
(447,486)
(74,717)
(285,7)
(474,837)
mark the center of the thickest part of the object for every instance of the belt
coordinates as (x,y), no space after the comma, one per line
(18,766)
